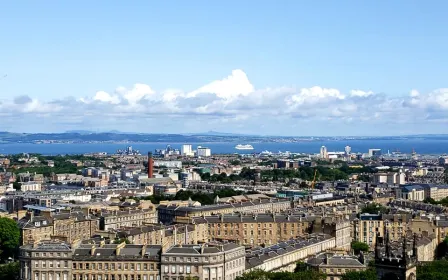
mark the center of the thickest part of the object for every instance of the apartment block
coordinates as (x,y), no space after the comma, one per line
(368,226)
(213,261)
(158,235)
(168,214)
(64,226)
(127,218)
(253,229)
(285,255)
(46,260)
(116,262)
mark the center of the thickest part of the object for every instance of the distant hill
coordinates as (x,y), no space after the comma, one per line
(216,133)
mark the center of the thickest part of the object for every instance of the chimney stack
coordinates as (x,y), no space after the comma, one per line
(150,165)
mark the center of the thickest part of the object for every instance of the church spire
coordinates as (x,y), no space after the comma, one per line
(386,236)
(414,247)
(405,254)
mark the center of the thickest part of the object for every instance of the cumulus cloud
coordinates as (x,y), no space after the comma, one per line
(233,100)
(228,88)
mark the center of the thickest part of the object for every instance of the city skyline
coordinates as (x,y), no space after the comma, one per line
(291,69)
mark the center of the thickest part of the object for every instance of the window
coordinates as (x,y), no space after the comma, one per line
(173,269)
(166,269)
(196,259)
(188,269)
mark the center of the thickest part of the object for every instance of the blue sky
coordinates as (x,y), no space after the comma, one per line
(290,57)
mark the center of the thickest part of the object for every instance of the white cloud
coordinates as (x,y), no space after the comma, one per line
(234,101)
(103,96)
(360,93)
(228,88)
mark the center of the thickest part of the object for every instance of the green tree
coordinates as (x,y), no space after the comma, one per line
(9,238)
(17,186)
(374,208)
(235,162)
(121,240)
(430,200)
(435,270)
(369,274)
(442,248)
(300,266)
(359,246)
(256,274)
(10,271)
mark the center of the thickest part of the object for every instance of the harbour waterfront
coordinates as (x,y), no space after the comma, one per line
(426,146)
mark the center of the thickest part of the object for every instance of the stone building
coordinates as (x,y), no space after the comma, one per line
(365,228)
(397,264)
(213,261)
(116,262)
(56,260)
(63,226)
(128,218)
(158,235)
(334,266)
(253,229)
(168,214)
(49,260)
(285,255)
(340,228)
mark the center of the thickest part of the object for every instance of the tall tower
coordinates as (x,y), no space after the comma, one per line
(323,152)
(150,165)
(348,150)
(401,267)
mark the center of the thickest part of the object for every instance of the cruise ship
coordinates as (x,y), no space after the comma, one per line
(244,147)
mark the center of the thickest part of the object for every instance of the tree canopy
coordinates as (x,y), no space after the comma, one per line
(10,271)
(374,208)
(9,238)
(302,274)
(369,274)
(435,270)
(359,246)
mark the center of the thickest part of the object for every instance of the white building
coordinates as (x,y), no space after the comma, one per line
(284,256)
(186,150)
(206,261)
(31,186)
(392,178)
(168,163)
(203,152)
(323,152)
(348,150)
(374,152)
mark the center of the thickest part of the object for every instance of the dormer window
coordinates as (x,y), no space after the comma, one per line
(37,224)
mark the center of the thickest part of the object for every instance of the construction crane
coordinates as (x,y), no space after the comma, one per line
(314,179)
